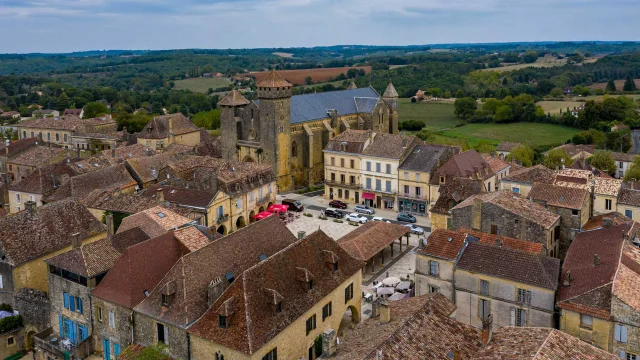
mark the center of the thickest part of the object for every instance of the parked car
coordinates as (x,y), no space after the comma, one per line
(406,217)
(378,218)
(357,218)
(294,205)
(337,204)
(414,229)
(333,213)
(364,209)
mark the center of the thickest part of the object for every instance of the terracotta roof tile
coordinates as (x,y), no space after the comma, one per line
(538,173)
(69,122)
(629,196)
(41,181)
(427,158)
(274,80)
(121,154)
(605,186)
(192,238)
(38,155)
(122,203)
(560,196)
(496,164)
(354,141)
(615,218)
(394,146)
(573,149)
(455,191)
(468,164)
(79,187)
(369,239)
(17,146)
(155,221)
(159,127)
(180,195)
(618,156)
(146,168)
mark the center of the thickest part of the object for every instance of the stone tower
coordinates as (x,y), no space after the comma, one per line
(274,93)
(231,107)
(390,98)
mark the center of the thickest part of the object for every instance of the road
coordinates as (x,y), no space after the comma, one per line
(346,211)
(636,141)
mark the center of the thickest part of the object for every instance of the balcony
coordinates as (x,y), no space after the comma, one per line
(52,343)
(345,184)
(413,196)
(222,218)
(263,201)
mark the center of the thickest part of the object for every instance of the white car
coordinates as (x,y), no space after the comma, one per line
(355,217)
(415,229)
(378,218)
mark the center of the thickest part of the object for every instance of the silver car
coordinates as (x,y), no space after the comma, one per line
(364,209)
(415,229)
(357,218)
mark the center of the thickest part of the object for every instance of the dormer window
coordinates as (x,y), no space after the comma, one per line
(335,266)
(442,179)
(306,278)
(310,285)
(229,276)
(222,321)
(279,307)
(165,300)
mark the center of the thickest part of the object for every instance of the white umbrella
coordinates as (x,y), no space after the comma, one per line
(391,281)
(404,285)
(385,291)
(397,296)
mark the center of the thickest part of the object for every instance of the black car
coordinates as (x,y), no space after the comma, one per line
(334,213)
(337,204)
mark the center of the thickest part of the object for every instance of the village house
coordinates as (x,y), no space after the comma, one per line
(62,130)
(623,162)
(38,184)
(74,112)
(504,149)
(343,167)
(10,149)
(521,181)
(154,221)
(9,115)
(499,167)
(629,200)
(45,113)
(103,202)
(145,169)
(283,307)
(508,214)
(605,195)
(598,296)
(165,130)
(451,194)
(576,151)
(196,282)
(414,177)
(197,201)
(469,165)
(21,165)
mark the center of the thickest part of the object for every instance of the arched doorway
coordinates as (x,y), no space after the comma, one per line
(269,205)
(251,217)
(350,316)
(29,345)
(248,158)
(240,223)
(261,209)
(222,230)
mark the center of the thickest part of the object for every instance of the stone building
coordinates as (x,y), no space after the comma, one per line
(21,165)
(165,130)
(448,196)
(37,185)
(504,149)
(61,131)
(508,214)
(598,294)
(605,195)
(629,200)
(283,306)
(10,149)
(521,181)
(289,132)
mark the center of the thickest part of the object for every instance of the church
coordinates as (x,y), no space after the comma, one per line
(289,132)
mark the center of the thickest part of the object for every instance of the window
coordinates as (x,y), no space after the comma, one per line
(519,317)
(112,319)
(388,186)
(65,297)
(524,296)
(628,213)
(10,341)
(406,175)
(294,149)
(220,212)
(417,177)
(620,333)
(162,333)
(339,193)
(621,165)
(489,186)
(628,356)
(418,191)
(271,355)
(327,310)
(433,268)
(48,136)
(261,193)
(333,161)
(485,309)
(279,307)
(484,287)
(586,321)
(341,162)
(433,290)
(442,179)
(346,194)
(348,293)
(99,313)
(516,190)
(353,163)
(79,305)
(311,323)
(222,321)
(378,184)
(378,167)
(607,204)
(229,276)
(388,169)
(406,189)
(574,212)
(368,165)
(165,300)
(65,137)
(72,303)
(84,333)
(368,183)
(335,266)
(309,285)
(494,229)
(57,137)
(239,203)
(1,282)
(251,196)
(116,350)
(18,198)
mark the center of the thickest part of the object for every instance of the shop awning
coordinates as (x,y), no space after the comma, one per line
(278,208)
(368,196)
(263,215)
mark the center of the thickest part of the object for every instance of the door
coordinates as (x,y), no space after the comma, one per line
(357,197)
(330,193)
(107,349)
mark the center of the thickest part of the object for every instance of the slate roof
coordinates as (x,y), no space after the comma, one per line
(421,327)
(79,187)
(391,146)
(233,98)
(254,323)
(37,155)
(40,181)
(534,343)
(158,127)
(366,105)
(369,239)
(25,236)
(560,196)
(191,276)
(514,265)
(426,158)
(143,265)
(455,191)
(468,164)
(310,107)
(515,204)
(355,141)
(390,91)
(97,257)
(538,173)
(507,146)
(154,221)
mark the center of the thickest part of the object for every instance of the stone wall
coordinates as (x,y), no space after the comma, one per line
(34,307)
(119,334)
(145,333)
(6,292)
(444,280)
(57,287)
(625,315)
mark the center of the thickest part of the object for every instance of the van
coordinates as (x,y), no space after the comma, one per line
(294,205)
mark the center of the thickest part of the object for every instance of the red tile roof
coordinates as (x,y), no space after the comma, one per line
(369,239)
(468,164)
(154,221)
(274,80)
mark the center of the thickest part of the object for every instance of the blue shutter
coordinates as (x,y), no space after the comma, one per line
(623,334)
(83,332)
(61,325)
(66,300)
(74,333)
(79,305)
(72,303)
(616,335)
(116,349)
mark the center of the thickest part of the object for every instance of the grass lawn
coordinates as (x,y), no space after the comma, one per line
(200,84)
(436,116)
(531,133)
(554,107)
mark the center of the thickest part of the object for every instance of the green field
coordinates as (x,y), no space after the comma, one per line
(529,133)
(554,107)
(201,85)
(436,116)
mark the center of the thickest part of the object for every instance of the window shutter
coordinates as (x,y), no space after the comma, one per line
(60,323)
(79,305)
(616,332)
(66,300)
(437,268)
(623,334)
(523,318)
(112,319)
(512,321)
(72,303)
(116,349)
(166,335)
(622,354)
(1,282)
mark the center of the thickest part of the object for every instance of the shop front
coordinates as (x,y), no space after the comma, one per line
(413,206)
(368,198)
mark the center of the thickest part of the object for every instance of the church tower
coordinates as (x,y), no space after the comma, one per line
(274,94)
(390,97)
(230,123)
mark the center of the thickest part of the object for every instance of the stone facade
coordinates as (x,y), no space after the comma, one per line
(58,286)
(571,221)
(120,333)
(146,334)
(33,305)
(427,283)
(629,318)
(6,288)
(599,334)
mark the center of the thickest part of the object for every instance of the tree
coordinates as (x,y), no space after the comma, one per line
(484,147)
(544,87)
(523,153)
(308,80)
(209,120)
(465,107)
(633,172)
(156,108)
(133,122)
(503,114)
(411,125)
(603,160)
(611,86)
(555,157)
(95,109)
(210,91)
(629,84)
(619,140)
(63,102)
(352,73)
(556,92)
(530,57)
(460,94)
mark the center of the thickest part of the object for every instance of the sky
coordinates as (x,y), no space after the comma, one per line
(57,26)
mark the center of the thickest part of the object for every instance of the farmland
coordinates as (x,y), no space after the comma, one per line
(435,115)
(201,85)
(555,107)
(530,133)
(619,85)
(547,61)
(297,77)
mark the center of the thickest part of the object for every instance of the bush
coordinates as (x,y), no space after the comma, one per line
(411,125)
(338,221)
(322,217)
(6,307)
(10,323)
(307,215)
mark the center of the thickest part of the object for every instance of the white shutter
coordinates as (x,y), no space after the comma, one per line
(166,334)
(523,318)
(1,282)
(622,354)
(112,319)
(512,321)
(616,332)
(623,334)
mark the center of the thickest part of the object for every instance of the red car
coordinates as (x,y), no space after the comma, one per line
(337,204)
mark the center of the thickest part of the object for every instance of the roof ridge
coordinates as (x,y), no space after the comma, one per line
(542,345)
(248,321)
(590,290)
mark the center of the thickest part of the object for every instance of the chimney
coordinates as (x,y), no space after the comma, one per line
(385,312)
(404,142)
(76,242)
(215,290)
(110,227)
(476,214)
(596,260)
(113,153)
(567,278)
(30,206)
(160,196)
(486,329)
(329,343)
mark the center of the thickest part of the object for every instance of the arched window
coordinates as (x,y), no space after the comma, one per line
(294,149)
